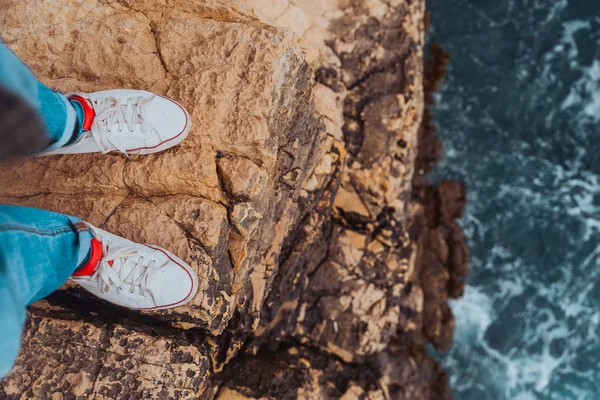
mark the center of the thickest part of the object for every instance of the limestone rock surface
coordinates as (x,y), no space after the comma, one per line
(325,260)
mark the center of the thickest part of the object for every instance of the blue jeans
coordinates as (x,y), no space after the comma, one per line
(56,111)
(39,249)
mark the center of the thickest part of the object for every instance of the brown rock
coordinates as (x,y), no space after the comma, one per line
(459,252)
(298,203)
(453,198)
(242,178)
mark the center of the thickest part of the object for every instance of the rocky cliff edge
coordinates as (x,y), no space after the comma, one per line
(325,259)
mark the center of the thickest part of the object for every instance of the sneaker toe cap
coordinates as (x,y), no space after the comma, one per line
(168,118)
(177,285)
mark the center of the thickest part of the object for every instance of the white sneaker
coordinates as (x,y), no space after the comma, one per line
(136,276)
(127,121)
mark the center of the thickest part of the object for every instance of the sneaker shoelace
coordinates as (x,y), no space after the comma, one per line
(114,117)
(125,266)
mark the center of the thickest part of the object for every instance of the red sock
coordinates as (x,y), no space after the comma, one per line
(95,256)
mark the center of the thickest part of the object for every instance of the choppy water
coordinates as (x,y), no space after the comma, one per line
(519,116)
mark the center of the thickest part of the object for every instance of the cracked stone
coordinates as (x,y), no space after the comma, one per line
(294,198)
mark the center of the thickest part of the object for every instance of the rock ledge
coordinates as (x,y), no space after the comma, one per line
(325,259)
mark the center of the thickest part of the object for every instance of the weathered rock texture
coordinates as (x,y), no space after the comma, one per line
(323,273)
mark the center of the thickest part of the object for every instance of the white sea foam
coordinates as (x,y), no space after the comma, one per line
(585,93)
(568,38)
(476,314)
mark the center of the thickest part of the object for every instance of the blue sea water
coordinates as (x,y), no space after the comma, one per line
(519,117)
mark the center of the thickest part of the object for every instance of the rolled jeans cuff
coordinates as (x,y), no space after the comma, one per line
(71,120)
